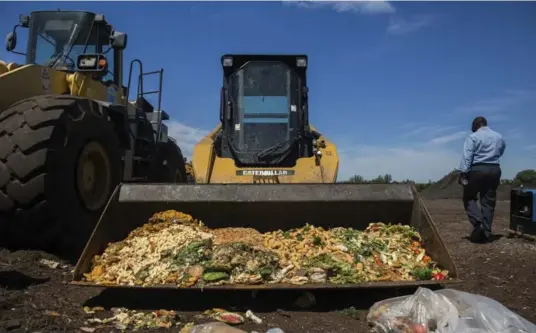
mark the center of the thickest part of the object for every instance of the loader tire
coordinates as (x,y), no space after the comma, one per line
(45,145)
(171,167)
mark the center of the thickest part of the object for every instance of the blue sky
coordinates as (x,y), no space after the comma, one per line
(394,84)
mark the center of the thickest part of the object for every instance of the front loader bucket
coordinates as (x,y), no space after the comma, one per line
(268,207)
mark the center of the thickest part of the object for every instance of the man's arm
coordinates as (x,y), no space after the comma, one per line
(502,147)
(468,154)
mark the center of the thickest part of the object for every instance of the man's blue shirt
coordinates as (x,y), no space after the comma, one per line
(482,146)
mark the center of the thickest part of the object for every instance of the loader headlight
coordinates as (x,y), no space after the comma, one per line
(92,62)
(301,62)
(228,62)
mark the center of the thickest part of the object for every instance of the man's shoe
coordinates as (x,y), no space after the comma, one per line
(478,235)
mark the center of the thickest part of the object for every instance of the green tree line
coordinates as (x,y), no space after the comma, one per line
(525,178)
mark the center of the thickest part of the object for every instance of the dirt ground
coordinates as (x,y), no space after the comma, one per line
(35,298)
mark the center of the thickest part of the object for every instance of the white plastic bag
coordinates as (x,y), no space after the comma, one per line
(214,327)
(445,311)
(424,311)
(483,314)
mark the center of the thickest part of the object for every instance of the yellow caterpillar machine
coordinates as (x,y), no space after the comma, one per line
(264,133)
(69,135)
(265,167)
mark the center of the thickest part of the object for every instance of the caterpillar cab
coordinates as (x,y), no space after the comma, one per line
(264,133)
(265,167)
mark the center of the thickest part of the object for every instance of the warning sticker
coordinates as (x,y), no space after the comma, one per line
(45,79)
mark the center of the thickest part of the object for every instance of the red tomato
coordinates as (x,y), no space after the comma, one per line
(418,328)
(438,276)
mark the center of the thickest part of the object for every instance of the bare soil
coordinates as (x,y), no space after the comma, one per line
(35,298)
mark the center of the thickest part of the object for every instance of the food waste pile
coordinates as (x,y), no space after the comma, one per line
(175,248)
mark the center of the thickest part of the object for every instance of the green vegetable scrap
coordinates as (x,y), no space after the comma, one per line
(215,276)
(338,271)
(195,253)
(242,258)
(422,273)
(317,241)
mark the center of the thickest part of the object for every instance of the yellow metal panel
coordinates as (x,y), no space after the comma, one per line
(30,80)
(82,84)
(19,83)
(203,156)
(208,168)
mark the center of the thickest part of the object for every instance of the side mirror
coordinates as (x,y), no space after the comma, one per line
(11,41)
(24,20)
(119,40)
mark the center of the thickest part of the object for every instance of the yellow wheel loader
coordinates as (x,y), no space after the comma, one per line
(265,167)
(69,134)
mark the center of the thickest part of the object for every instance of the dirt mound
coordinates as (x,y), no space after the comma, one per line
(448,188)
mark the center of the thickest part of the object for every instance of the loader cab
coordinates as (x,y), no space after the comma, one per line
(263,110)
(56,39)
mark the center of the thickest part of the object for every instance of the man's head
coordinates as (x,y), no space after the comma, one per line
(478,122)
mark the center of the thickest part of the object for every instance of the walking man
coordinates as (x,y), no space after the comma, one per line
(480,175)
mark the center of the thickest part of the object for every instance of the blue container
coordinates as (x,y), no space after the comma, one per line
(522,208)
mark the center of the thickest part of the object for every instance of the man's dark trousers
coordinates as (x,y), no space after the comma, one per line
(483,180)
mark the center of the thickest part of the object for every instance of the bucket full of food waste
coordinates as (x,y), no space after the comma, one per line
(265,236)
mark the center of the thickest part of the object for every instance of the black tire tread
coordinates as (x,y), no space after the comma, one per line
(28,124)
(26,131)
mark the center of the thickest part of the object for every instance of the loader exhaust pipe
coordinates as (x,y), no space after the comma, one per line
(268,207)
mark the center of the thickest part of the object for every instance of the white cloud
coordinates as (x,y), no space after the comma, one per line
(400,26)
(186,136)
(434,134)
(361,7)
(496,105)
(397,25)
(513,134)
(499,117)
(423,130)
(419,162)
(366,7)
(448,138)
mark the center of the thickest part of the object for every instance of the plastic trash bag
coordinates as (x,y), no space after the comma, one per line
(482,314)
(424,311)
(215,327)
(445,311)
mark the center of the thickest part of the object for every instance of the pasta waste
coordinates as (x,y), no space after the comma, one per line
(175,248)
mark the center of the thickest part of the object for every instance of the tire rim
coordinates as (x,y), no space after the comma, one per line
(93,176)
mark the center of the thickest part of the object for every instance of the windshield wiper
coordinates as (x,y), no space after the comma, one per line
(270,150)
(71,45)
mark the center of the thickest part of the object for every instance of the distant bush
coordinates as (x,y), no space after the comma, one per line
(525,177)
(386,179)
(381,179)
